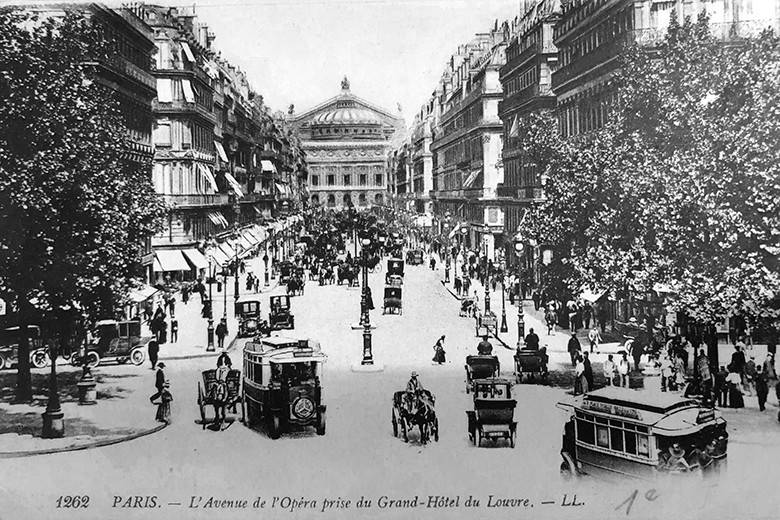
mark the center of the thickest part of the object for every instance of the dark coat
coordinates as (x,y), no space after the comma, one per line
(532,341)
(574,345)
(159,381)
(222,330)
(224,359)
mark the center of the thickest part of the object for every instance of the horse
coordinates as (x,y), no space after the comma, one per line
(420,413)
(219,399)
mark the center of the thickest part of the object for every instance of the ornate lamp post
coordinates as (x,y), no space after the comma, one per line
(265,262)
(210,310)
(486,279)
(463,232)
(236,266)
(519,246)
(225,273)
(504,327)
(447,246)
(368,358)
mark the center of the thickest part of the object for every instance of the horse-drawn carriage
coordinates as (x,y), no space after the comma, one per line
(296,284)
(493,414)
(481,367)
(414,257)
(349,273)
(530,363)
(392,302)
(395,272)
(219,393)
(467,306)
(412,409)
(280,316)
(282,386)
(247,309)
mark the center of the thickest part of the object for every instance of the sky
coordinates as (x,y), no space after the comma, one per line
(392,51)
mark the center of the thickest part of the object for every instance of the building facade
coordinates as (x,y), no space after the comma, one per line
(467,141)
(346,141)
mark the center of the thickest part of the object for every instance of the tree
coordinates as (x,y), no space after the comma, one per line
(681,187)
(74,209)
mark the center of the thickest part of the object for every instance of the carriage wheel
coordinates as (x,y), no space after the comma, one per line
(137,357)
(276,426)
(512,436)
(436,429)
(568,467)
(202,406)
(478,442)
(395,425)
(403,430)
(38,359)
(321,423)
(93,359)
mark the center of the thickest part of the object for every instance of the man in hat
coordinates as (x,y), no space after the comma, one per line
(222,331)
(414,384)
(159,381)
(532,340)
(484,348)
(573,348)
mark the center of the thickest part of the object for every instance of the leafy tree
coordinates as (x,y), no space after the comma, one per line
(74,208)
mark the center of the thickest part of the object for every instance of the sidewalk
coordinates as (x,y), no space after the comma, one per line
(193,327)
(123,412)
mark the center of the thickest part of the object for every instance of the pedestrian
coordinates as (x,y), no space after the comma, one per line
(159,381)
(439,355)
(164,406)
(174,330)
(594,337)
(154,349)
(249,282)
(623,368)
(574,348)
(185,294)
(721,387)
(734,381)
(550,318)
(222,331)
(738,360)
(587,314)
(580,383)
(603,315)
(750,376)
(609,370)
(532,340)
(769,367)
(163,332)
(458,285)
(172,305)
(257,284)
(536,297)
(665,366)
(466,285)
(588,373)
(762,388)
(705,377)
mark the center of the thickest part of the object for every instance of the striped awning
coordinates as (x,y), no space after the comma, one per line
(170,260)
(196,258)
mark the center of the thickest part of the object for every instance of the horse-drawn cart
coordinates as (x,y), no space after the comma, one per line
(529,363)
(395,272)
(219,393)
(486,324)
(415,409)
(493,414)
(480,367)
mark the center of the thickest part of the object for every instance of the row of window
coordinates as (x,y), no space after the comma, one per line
(609,30)
(346,180)
(469,149)
(347,131)
(466,119)
(613,435)
(177,178)
(125,47)
(346,200)
(519,173)
(586,117)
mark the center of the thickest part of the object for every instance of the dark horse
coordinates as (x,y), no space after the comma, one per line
(418,408)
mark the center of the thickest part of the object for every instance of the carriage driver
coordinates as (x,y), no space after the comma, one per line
(414,385)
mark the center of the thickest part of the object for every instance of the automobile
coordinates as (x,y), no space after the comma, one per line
(280,317)
(9,347)
(247,310)
(285,271)
(282,387)
(119,341)
(639,434)
(395,272)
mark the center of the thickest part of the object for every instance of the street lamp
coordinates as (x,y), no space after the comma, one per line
(235,266)
(447,246)
(210,311)
(504,327)
(486,280)
(368,358)
(463,232)
(519,246)
(265,262)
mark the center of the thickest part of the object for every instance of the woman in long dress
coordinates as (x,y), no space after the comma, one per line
(439,356)
(164,406)
(734,381)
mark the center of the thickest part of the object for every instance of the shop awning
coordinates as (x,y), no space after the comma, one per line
(196,258)
(217,219)
(221,151)
(267,166)
(234,184)
(259,232)
(227,249)
(218,256)
(206,172)
(250,235)
(142,293)
(188,52)
(171,260)
(246,244)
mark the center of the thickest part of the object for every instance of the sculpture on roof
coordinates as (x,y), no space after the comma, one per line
(345,83)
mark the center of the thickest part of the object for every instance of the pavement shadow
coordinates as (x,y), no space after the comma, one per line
(31,423)
(109,386)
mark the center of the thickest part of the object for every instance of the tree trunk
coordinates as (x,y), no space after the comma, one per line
(23,392)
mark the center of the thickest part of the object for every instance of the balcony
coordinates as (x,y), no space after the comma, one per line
(523,96)
(197,200)
(581,65)
(182,106)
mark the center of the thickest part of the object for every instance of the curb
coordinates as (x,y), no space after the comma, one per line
(495,335)
(88,446)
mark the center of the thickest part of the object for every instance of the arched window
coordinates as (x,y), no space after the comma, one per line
(331,200)
(315,200)
(362,199)
(378,198)
(347,200)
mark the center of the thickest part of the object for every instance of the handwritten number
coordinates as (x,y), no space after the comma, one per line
(629,501)
(651,495)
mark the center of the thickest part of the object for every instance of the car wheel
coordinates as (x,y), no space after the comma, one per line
(38,359)
(3,363)
(93,359)
(276,426)
(137,357)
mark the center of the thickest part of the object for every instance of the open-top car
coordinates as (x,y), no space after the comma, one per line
(282,386)
(280,317)
(117,340)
